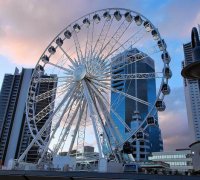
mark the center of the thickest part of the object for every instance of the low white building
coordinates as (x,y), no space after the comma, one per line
(179,160)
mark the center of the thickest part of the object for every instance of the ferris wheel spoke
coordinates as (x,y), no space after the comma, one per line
(100,41)
(93,49)
(115,134)
(70,101)
(60,67)
(152,75)
(70,110)
(133,132)
(120,92)
(102,103)
(105,131)
(68,57)
(91,41)
(62,60)
(81,111)
(56,79)
(112,110)
(67,129)
(54,130)
(129,60)
(142,127)
(52,92)
(102,36)
(106,46)
(108,26)
(120,119)
(46,124)
(130,97)
(93,115)
(121,77)
(116,37)
(50,107)
(136,37)
(44,137)
(100,124)
(78,47)
(86,45)
(81,132)
(45,111)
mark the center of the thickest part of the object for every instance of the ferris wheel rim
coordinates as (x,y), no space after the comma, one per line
(164,79)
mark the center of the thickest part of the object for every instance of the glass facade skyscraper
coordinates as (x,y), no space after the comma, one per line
(133,112)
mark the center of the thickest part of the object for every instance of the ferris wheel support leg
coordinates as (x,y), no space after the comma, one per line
(93,116)
(111,125)
(57,125)
(52,136)
(76,128)
(102,105)
(67,129)
(102,101)
(45,125)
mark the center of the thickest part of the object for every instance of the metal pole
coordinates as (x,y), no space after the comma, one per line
(93,116)
(76,128)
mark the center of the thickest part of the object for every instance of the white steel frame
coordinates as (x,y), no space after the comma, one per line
(86,80)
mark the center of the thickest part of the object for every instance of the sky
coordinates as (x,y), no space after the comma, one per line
(27,27)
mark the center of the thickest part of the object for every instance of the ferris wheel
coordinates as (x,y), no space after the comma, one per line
(83,62)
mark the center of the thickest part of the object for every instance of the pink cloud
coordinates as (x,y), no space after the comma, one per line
(173,122)
(26,28)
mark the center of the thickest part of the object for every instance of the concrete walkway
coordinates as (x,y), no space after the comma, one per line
(50,175)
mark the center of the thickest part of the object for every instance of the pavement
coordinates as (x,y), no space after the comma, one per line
(79,175)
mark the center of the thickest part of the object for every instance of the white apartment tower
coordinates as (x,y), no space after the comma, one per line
(192,95)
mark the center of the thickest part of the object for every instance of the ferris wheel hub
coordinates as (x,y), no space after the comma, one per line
(79,73)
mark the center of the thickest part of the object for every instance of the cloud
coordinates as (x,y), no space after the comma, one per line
(26,27)
(178,17)
(173,122)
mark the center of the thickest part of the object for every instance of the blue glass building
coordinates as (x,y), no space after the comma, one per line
(133,112)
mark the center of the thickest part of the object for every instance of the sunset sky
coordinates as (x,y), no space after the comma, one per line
(27,27)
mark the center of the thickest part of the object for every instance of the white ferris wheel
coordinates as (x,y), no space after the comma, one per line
(82,63)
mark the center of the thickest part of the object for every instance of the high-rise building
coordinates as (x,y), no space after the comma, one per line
(14,132)
(192,96)
(131,111)
(12,102)
(43,87)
